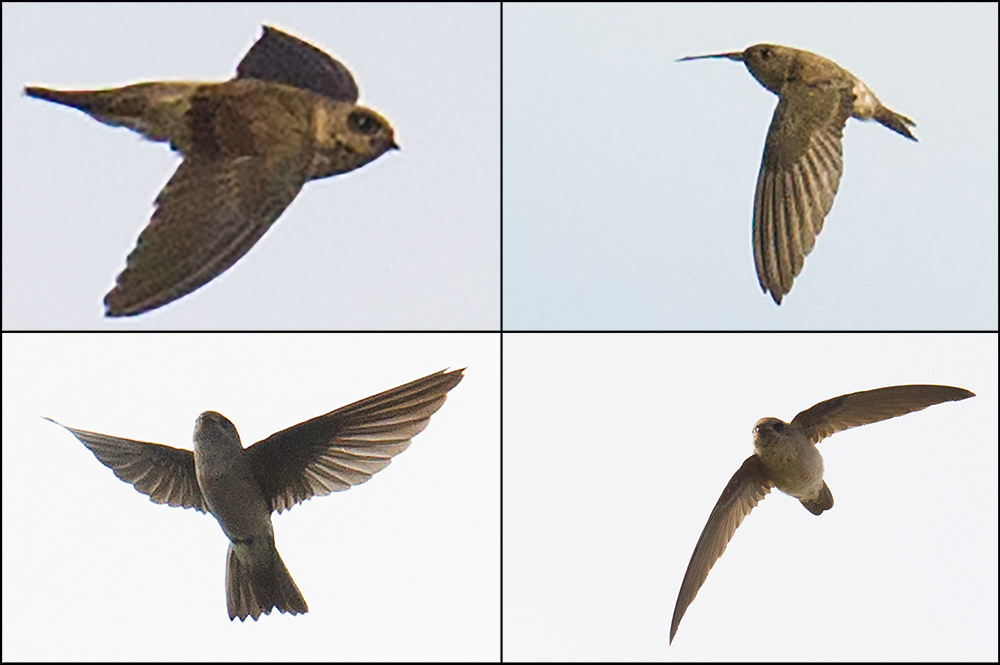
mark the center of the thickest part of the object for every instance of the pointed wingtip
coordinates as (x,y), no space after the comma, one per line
(45,94)
(117,305)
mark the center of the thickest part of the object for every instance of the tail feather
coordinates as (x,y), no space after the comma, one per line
(78,99)
(252,592)
(143,107)
(897,122)
(823,501)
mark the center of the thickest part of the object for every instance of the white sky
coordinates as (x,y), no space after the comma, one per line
(628,178)
(616,448)
(409,241)
(405,566)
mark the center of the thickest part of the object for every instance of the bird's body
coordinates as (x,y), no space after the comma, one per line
(802,163)
(256,577)
(249,145)
(794,465)
(237,118)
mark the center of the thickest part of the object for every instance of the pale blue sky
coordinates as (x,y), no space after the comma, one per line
(628,178)
(410,241)
(617,446)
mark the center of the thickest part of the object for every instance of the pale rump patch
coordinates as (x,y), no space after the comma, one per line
(865,102)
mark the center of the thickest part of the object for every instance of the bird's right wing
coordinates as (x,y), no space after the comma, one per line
(870,406)
(343,448)
(165,474)
(746,488)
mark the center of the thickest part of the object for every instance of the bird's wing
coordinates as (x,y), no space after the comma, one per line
(282,58)
(209,215)
(746,488)
(798,178)
(870,406)
(346,447)
(165,474)
(247,159)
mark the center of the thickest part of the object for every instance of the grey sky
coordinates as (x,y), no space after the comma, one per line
(411,241)
(628,178)
(616,448)
(405,566)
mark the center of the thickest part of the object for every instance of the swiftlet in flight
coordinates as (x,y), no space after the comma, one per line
(785,456)
(241,487)
(802,164)
(249,144)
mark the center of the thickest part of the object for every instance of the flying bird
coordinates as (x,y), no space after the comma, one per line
(241,487)
(785,456)
(800,172)
(249,144)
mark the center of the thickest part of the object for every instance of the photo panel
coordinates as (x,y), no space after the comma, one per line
(618,446)
(404,566)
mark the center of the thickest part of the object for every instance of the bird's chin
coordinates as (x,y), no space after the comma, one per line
(340,158)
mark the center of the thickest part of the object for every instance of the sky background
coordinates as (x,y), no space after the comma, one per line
(616,448)
(410,241)
(405,566)
(628,178)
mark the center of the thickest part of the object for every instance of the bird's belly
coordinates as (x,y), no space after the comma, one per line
(801,485)
(237,504)
(797,472)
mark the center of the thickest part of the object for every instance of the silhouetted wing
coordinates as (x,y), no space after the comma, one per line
(346,447)
(282,58)
(871,406)
(798,179)
(746,488)
(165,474)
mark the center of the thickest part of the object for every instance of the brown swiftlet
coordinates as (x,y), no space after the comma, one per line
(249,144)
(240,487)
(785,456)
(803,155)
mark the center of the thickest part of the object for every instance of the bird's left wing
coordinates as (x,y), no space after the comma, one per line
(870,406)
(283,58)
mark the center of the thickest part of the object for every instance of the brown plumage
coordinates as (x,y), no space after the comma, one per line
(249,145)
(241,487)
(785,456)
(803,158)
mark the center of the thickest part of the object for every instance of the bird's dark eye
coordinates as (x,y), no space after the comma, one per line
(765,53)
(779,427)
(363,123)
